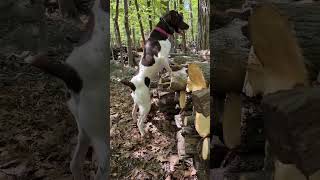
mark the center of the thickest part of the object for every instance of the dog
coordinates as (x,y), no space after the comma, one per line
(86,79)
(154,59)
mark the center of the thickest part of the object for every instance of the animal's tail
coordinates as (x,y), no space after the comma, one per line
(61,70)
(128,83)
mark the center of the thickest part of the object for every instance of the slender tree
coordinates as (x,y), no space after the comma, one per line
(126,24)
(117,29)
(134,37)
(149,14)
(191,20)
(181,6)
(140,22)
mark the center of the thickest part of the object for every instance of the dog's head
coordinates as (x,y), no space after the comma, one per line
(175,21)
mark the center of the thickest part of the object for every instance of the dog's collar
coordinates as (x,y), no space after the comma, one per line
(162,31)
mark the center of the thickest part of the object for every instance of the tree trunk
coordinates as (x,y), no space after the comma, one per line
(134,37)
(126,24)
(191,20)
(181,6)
(149,16)
(117,29)
(203,18)
(140,22)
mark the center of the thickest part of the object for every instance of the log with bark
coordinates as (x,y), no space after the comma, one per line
(292,127)
(201,101)
(178,81)
(229,70)
(305,21)
(168,102)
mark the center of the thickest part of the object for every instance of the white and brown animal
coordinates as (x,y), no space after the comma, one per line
(85,76)
(154,59)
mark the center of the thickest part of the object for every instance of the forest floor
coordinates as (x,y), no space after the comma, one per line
(37,131)
(151,157)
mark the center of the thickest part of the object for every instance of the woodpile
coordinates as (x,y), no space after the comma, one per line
(288,100)
(279,64)
(188,88)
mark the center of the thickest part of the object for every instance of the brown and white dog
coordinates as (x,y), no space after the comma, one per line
(154,59)
(85,76)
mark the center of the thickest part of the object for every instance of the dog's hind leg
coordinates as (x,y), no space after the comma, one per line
(143,116)
(100,148)
(79,155)
(134,112)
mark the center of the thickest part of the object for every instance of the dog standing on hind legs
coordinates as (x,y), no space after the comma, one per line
(154,59)
(85,77)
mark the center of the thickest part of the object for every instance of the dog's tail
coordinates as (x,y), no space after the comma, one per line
(61,70)
(128,83)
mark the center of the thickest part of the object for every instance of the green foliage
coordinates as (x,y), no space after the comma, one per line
(156,10)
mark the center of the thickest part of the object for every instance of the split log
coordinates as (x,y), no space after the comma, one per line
(205,150)
(201,101)
(205,68)
(292,127)
(283,63)
(202,124)
(182,99)
(178,81)
(196,80)
(232,121)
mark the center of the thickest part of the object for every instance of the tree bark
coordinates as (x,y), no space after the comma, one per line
(149,16)
(126,24)
(117,29)
(306,24)
(203,19)
(181,6)
(201,101)
(140,22)
(191,20)
(134,37)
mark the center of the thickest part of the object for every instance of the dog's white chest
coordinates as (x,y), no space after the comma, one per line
(165,48)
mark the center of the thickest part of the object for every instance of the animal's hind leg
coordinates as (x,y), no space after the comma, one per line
(143,116)
(134,112)
(79,155)
(100,148)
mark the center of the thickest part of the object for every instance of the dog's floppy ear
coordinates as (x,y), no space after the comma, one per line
(128,83)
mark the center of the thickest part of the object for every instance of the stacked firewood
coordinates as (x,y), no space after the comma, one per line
(188,88)
(281,66)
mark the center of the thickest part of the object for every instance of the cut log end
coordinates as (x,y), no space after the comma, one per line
(205,148)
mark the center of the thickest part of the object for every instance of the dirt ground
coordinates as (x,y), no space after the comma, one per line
(152,157)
